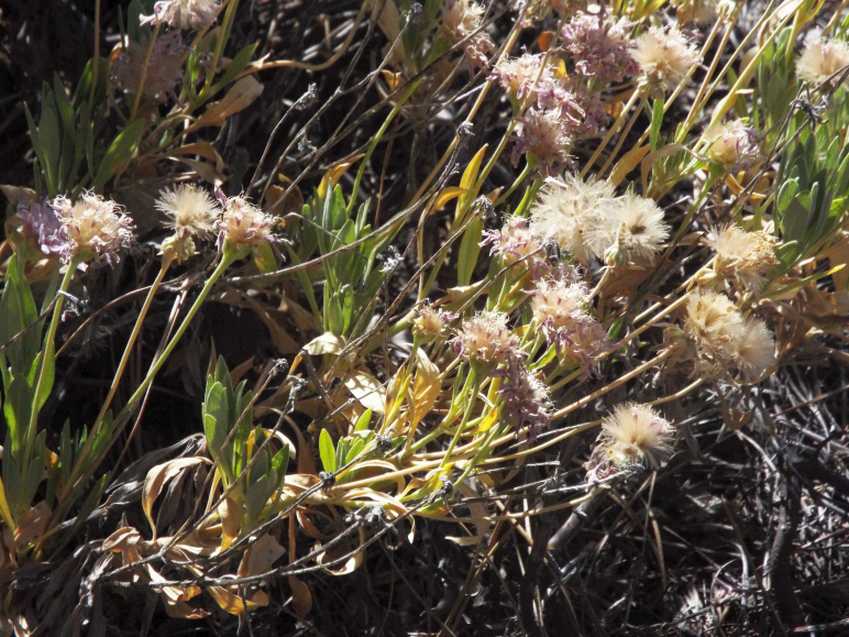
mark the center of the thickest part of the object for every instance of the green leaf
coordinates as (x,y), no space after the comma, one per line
(326,451)
(656,122)
(363,421)
(470,247)
(119,153)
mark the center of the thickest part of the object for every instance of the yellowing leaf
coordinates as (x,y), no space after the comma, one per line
(448,194)
(156,479)
(627,163)
(327,343)
(426,389)
(241,95)
(368,391)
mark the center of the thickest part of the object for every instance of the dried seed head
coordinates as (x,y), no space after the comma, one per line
(190,210)
(164,68)
(192,213)
(725,340)
(635,434)
(822,58)
(560,309)
(184,14)
(96,228)
(665,55)
(245,225)
(733,144)
(754,349)
(485,338)
(599,47)
(743,256)
(566,211)
(632,229)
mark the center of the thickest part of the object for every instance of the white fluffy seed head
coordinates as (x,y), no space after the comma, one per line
(821,58)
(727,343)
(742,255)
(189,209)
(635,434)
(568,209)
(632,229)
(665,55)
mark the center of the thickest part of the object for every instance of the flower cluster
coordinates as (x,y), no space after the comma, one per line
(462,19)
(184,14)
(599,47)
(431,323)
(665,55)
(541,135)
(725,340)
(516,242)
(94,228)
(485,338)
(588,220)
(40,223)
(162,71)
(525,396)
(733,145)
(559,110)
(245,225)
(822,58)
(560,309)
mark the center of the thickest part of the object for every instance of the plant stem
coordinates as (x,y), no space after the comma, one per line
(229,14)
(143,75)
(227,259)
(48,349)
(122,365)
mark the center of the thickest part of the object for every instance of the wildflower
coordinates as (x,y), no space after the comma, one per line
(40,222)
(725,340)
(632,229)
(485,338)
(519,76)
(95,227)
(733,144)
(184,14)
(745,256)
(541,135)
(516,242)
(560,309)
(599,49)
(665,56)
(162,72)
(431,322)
(461,19)
(567,209)
(635,434)
(822,58)
(192,213)
(525,396)
(245,225)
